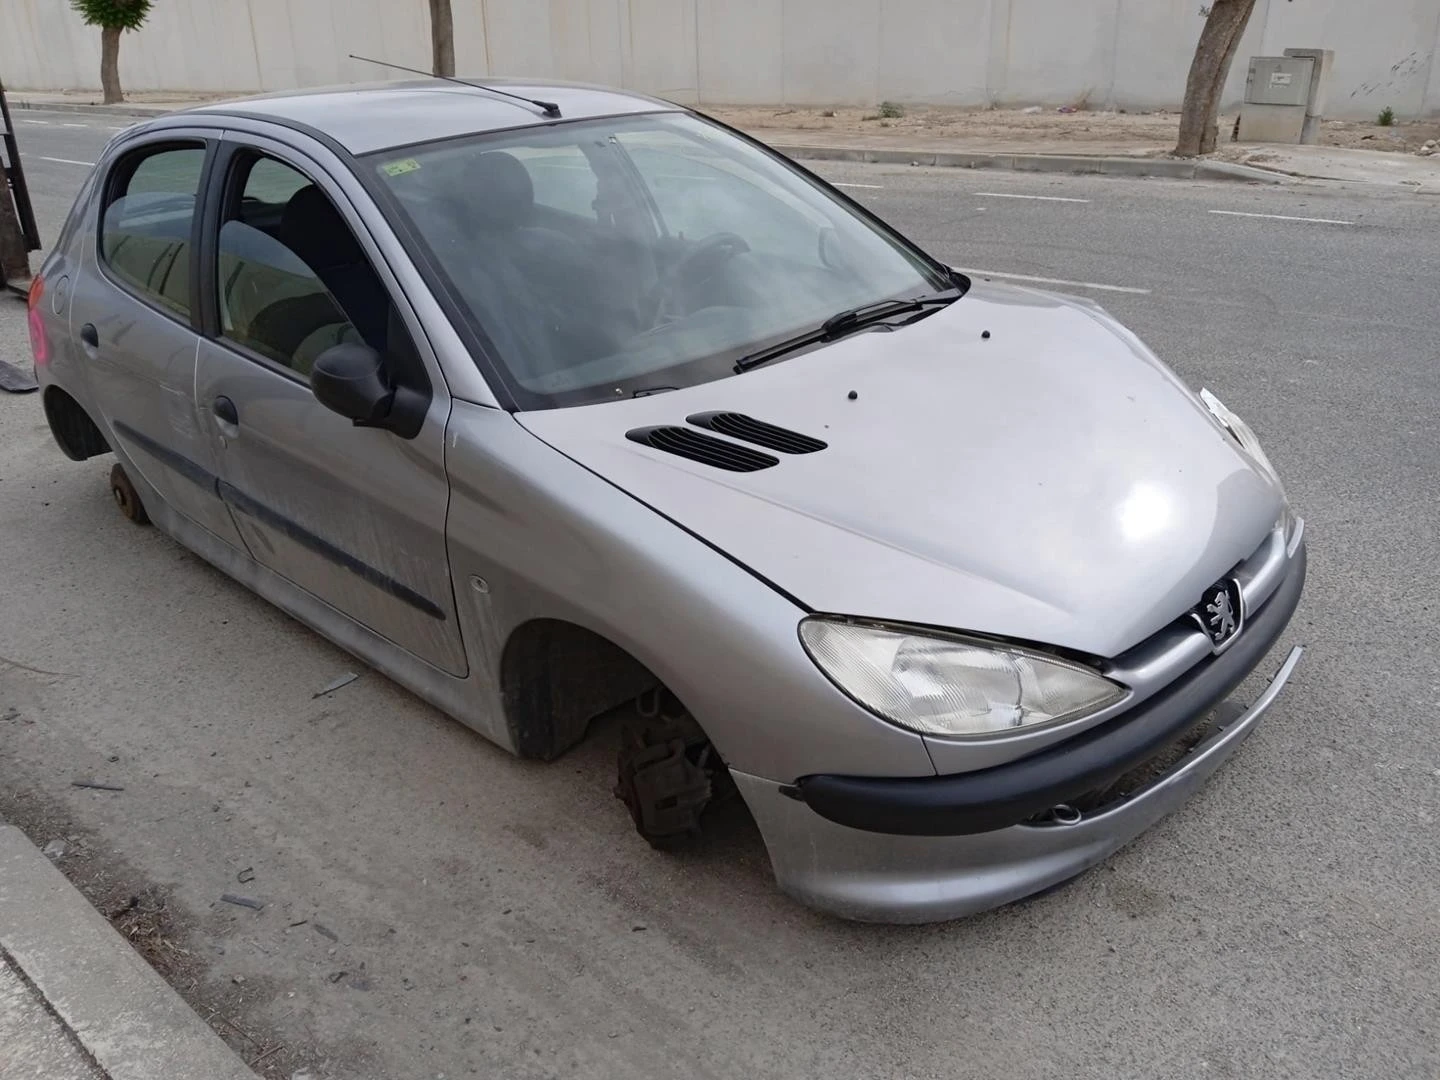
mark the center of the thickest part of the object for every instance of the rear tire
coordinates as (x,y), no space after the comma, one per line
(126,497)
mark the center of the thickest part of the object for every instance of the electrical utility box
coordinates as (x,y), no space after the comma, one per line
(1284,96)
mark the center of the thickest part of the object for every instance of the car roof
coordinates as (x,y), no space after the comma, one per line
(365,117)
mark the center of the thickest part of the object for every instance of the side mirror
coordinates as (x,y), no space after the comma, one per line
(350,379)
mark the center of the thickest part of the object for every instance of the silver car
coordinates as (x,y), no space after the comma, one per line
(546,399)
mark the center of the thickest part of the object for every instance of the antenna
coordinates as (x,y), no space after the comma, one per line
(549,108)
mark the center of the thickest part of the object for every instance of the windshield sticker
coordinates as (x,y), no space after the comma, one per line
(401,167)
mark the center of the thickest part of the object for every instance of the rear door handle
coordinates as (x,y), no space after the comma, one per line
(224,409)
(90,336)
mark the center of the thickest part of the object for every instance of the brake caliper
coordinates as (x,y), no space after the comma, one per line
(668,771)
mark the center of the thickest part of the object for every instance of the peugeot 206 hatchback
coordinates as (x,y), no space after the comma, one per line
(543,399)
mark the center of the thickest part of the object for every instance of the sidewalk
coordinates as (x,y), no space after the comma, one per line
(35,1043)
(1028,140)
(76,1001)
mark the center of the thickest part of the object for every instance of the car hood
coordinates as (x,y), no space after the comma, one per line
(1018,464)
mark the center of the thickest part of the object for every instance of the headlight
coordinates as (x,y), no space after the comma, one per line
(953,686)
(1247,439)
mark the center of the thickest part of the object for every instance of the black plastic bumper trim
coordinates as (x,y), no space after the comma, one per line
(190,470)
(242,503)
(987,799)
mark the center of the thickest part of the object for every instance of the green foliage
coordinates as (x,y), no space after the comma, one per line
(115,14)
(891,111)
(1387,117)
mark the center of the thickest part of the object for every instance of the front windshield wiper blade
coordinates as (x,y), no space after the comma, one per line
(846,322)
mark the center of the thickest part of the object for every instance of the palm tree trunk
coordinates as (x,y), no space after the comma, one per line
(14,260)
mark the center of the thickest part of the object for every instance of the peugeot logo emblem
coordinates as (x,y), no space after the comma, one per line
(1220,613)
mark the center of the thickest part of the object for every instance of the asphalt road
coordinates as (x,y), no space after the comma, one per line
(500,919)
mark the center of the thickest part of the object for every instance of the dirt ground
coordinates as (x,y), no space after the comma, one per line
(983,127)
(171,939)
(999,126)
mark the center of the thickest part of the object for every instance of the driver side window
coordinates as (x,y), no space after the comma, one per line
(292,279)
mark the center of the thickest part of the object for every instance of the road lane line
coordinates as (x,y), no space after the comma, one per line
(45,122)
(1283,217)
(64,161)
(74,125)
(1057,281)
(1037,198)
(875,187)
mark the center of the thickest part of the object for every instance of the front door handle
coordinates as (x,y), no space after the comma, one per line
(224,409)
(90,336)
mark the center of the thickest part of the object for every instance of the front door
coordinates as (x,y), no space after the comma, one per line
(133,318)
(355,516)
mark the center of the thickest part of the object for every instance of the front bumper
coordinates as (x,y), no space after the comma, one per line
(923,850)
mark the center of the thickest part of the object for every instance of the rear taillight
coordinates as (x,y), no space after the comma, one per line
(39,343)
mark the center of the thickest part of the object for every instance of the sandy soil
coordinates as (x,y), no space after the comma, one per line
(998,126)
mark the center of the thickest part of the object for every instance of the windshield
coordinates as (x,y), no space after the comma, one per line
(601,259)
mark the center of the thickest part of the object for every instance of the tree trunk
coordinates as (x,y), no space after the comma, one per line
(1213,53)
(442,37)
(110,64)
(14,260)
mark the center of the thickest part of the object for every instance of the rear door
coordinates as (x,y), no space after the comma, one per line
(134,320)
(355,516)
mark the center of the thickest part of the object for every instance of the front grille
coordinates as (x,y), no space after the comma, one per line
(1167,654)
(1163,761)
(1149,771)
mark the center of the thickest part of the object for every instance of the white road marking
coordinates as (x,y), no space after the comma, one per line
(1058,281)
(46,122)
(1283,217)
(1037,198)
(873,187)
(66,161)
(74,125)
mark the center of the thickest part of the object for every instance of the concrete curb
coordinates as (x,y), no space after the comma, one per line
(127,1018)
(125,109)
(1173,168)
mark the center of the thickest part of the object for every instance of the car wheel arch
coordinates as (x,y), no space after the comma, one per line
(77,435)
(556,676)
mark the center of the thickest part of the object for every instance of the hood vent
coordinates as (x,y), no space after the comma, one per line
(740,426)
(688,443)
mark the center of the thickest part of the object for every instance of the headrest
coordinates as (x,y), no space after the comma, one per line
(315,231)
(499,190)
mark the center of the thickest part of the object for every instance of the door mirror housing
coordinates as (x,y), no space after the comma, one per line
(350,379)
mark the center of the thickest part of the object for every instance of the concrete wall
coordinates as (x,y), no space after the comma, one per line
(1127,53)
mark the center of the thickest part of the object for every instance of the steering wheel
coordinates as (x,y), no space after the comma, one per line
(709,255)
(698,264)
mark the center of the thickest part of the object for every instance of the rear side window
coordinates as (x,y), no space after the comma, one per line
(146,226)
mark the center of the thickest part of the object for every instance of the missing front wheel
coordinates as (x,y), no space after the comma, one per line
(669,774)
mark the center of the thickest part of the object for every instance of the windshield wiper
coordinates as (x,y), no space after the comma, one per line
(846,322)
